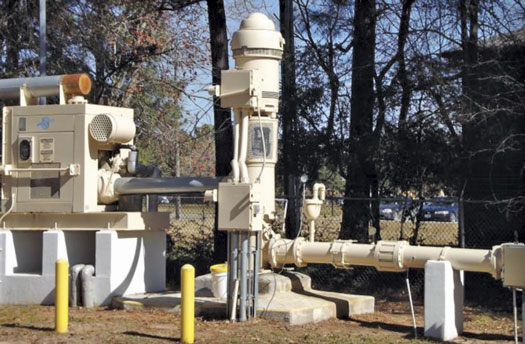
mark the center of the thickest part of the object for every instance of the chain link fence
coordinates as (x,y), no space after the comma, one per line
(190,235)
(442,221)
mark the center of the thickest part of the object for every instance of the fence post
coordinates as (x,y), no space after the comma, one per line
(187,303)
(61,295)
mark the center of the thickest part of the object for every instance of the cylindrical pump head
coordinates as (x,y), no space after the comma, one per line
(257,37)
(257,47)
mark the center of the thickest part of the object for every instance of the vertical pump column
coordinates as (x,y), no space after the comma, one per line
(247,199)
(257,49)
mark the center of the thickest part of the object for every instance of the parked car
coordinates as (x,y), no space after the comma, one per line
(441,209)
(395,210)
(164,200)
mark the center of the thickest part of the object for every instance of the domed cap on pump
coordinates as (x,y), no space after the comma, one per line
(257,21)
(257,37)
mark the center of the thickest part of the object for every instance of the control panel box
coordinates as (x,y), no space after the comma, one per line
(513,265)
(239,207)
(241,89)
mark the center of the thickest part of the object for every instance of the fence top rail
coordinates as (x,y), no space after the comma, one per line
(414,200)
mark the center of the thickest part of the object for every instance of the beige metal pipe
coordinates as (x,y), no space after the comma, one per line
(477,260)
(45,86)
(384,256)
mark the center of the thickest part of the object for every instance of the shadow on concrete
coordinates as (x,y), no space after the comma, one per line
(123,286)
(27,327)
(151,336)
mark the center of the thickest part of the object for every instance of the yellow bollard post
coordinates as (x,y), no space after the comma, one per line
(61,295)
(187,304)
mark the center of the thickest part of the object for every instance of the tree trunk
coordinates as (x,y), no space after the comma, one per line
(289,120)
(403,77)
(222,117)
(12,40)
(474,166)
(361,178)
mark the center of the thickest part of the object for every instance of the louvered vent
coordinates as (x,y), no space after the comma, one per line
(101,128)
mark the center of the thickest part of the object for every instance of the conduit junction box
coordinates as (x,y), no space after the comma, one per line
(514,265)
(239,207)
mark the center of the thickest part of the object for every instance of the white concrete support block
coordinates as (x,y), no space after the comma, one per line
(129,262)
(22,263)
(5,236)
(10,261)
(3,261)
(53,248)
(126,262)
(443,300)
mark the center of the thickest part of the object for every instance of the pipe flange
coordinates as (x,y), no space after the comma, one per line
(271,253)
(297,253)
(389,255)
(399,253)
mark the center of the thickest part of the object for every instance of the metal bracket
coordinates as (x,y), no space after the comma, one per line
(74,170)
(443,253)
(338,255)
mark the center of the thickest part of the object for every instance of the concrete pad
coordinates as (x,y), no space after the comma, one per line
(443,300)
(346,304)
(285,297)
(170,301)
(295,309)
(271,283)
(289,307)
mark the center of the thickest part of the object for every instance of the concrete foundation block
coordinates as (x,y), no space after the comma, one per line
(203,286)
(287,297)
(23,263)
(443,300)
(129,262)
(295,309)
(346,304)
(126,262)
(53,248)
(3,259)
(272,283)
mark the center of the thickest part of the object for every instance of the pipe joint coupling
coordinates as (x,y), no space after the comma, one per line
(496,261)
(337,250)
(281,252)
(389,255)
(105,187)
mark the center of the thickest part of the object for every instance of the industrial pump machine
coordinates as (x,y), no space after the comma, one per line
(72,187)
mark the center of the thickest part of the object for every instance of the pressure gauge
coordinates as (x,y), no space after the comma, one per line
(304,178)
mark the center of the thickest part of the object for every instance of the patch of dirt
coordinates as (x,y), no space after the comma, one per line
(391,323)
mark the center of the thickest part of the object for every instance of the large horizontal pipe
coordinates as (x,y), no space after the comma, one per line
(136,186)
(384,256)
(46,86)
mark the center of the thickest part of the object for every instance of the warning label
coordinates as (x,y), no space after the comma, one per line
(47,149)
